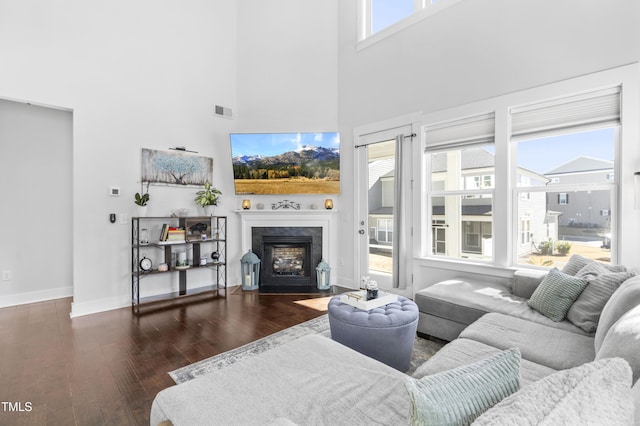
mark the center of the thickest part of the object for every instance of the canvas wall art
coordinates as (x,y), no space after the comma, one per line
(175,168)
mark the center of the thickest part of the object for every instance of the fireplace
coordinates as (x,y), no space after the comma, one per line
(288,256)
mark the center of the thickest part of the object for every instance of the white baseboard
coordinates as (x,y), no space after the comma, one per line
(35,296)
(100,305)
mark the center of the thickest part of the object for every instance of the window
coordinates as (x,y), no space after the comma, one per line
(381,18)
(554,188)
(461,159)
(387,12)
(385,230)
(563,198)
(575,137)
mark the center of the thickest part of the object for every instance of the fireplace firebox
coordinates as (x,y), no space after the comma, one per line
(288,257)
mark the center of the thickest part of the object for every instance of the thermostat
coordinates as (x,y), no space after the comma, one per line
(114,191)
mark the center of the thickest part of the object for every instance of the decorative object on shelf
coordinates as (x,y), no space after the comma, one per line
(313,206)
(182,259)
(144,236)
(323,272)
(215,256)
(198,228)
(250,271)
(246,204)
(208,198)
(285,204)
(260,206)
(203,261)
(163,267)
(145,263)
(328,204)
(175,168)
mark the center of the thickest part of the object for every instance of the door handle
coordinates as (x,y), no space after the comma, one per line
(361,232)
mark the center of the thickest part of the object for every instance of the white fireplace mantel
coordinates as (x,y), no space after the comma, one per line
(325,219)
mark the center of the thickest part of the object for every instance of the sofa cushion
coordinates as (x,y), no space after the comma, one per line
(556,293)
(298,380)
(585,311)
(622,301)
(594,393)
(465,351)
(464,301)
(549,346)
(577,262)
(623,341)
(458,396)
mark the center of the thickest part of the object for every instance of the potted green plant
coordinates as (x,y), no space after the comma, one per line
(208,198)
(141,201)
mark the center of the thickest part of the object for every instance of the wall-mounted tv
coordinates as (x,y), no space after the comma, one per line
(286,163)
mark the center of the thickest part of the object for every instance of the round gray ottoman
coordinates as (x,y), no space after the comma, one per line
(386,333)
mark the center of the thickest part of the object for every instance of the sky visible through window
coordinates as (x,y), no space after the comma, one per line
(387,12)
(545,154)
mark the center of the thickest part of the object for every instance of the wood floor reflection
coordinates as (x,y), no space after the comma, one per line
(106,368)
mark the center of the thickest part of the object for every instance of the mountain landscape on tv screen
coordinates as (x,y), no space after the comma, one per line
(306,170)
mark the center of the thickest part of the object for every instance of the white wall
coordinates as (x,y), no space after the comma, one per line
(36,207)
(469,52)
(288,72)
(136,74)
(147,74)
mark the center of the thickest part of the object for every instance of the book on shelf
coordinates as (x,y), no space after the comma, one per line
(359,300)
(172,234)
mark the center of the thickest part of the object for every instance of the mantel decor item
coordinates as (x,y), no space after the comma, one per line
(328,204)
(246,204)
(250,271)
(285,204)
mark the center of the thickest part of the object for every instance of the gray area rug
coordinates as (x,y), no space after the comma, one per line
(423,349)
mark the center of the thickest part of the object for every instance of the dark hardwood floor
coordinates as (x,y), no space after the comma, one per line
(106,368)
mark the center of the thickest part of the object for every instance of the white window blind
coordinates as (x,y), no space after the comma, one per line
(595,109)
(458,133)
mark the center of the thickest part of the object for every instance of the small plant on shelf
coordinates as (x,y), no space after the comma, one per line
(209,196)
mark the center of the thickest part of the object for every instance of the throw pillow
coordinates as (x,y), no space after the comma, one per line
(595,393)
(458,396)
(585,311)
(556,293)
(577,262)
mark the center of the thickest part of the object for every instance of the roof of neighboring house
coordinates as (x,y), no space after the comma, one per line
(582,164)
(383,210)
(466,210)
(472,158)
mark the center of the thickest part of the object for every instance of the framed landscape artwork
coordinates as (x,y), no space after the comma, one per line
(286,163)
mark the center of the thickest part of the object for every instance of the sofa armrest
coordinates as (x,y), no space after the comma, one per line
(525,281)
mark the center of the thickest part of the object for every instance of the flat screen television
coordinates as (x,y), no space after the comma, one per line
(286,163)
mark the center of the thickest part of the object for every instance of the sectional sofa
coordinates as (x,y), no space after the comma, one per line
(510,364)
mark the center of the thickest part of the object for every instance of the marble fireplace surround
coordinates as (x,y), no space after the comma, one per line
(325,219)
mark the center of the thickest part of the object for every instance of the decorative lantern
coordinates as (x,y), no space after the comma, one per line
(246,204)
(323,271)
(328,204)
(250,269)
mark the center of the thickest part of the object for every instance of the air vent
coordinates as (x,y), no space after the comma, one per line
(224,112)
